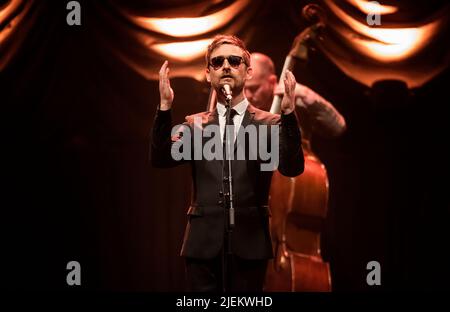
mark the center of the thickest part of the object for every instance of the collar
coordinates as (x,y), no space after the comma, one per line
(240,108)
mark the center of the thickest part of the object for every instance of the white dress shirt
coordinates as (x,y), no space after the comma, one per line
(240,108)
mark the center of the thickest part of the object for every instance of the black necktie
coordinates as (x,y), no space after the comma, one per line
(229,122)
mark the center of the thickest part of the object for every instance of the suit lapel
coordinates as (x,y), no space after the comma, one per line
(213,119)
(248,119)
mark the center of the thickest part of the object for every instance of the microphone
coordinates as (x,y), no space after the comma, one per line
(226,90)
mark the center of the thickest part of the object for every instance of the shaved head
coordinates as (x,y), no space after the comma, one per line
(259,90)
(263,63)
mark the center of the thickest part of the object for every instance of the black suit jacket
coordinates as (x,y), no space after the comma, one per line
(204,236)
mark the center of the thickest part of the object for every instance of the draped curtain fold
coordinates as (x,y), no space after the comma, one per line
(141,41)
(410,44)
(143,35)
(17,17)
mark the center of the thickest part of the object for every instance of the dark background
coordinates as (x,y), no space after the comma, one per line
(77,183)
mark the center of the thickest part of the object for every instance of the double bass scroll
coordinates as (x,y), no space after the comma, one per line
(299,205)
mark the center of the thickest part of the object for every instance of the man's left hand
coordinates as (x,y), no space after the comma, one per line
(288,102)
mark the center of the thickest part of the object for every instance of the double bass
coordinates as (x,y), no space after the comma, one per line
(299,207)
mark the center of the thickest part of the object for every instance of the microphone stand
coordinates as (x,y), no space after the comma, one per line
(228,201)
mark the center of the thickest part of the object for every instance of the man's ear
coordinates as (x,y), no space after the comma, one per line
(249,73)
(273,80)
(208,76)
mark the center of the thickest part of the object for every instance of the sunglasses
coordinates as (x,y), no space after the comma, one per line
(233,60)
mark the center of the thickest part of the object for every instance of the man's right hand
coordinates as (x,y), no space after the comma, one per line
(165,91)
(307,96)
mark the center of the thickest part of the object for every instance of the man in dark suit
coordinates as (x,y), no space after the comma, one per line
(219,256)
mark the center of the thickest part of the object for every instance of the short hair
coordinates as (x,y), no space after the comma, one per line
(227,39)
(267,66)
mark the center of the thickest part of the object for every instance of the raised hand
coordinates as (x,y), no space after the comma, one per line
(307,96)
(288,102)
(165,91)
